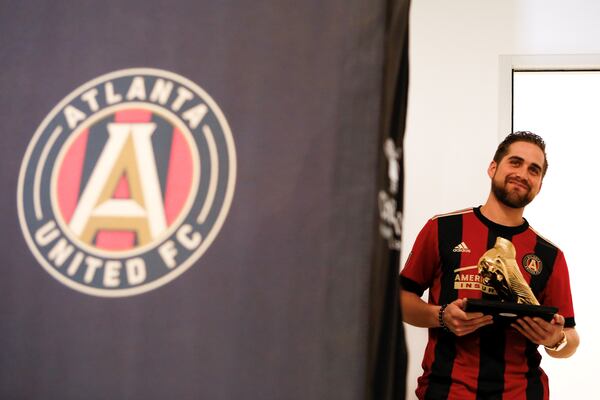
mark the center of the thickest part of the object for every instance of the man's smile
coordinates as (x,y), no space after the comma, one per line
(519,183)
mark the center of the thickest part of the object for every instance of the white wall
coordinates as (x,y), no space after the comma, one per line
(453,117)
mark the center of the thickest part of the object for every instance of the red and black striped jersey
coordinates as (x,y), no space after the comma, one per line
(494,362)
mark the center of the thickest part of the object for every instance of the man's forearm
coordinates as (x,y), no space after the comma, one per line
(417,312)
(569,349)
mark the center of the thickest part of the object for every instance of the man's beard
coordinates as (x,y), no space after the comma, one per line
(511,199)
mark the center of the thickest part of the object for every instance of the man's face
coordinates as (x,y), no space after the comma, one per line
(517,178)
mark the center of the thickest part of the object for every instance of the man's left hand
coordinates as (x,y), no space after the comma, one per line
(539,331)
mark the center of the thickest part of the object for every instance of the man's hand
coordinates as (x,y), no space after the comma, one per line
(539,331)
(462,323)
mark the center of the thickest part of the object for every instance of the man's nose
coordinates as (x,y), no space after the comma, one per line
(522,172)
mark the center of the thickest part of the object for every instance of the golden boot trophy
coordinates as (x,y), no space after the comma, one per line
(498,268)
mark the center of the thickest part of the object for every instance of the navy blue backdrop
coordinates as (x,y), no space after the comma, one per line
(279,303)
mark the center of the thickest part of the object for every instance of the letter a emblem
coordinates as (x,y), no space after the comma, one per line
(127,155)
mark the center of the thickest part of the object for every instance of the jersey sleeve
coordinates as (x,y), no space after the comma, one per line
(558,291)
(423,261)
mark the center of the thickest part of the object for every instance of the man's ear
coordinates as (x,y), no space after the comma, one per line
(492,169)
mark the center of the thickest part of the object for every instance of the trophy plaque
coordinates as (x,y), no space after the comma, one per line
(498,269)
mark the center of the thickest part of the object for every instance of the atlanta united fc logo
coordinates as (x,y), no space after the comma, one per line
(127,182)
(532,264)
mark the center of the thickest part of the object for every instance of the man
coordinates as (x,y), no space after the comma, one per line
(468,356)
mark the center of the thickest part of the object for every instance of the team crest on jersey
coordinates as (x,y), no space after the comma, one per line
(127,182)
(532,264)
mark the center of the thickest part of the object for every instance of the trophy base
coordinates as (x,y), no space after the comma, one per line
(505,312)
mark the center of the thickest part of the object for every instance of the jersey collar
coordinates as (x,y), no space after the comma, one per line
(503,229)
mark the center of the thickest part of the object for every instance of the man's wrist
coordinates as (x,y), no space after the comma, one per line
(561,343)
(441,318)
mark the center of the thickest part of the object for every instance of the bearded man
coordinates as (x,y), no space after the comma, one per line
(467,355)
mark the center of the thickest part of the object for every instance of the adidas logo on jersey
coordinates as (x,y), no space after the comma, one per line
(461,248)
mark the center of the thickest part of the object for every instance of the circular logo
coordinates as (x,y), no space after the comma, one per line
(127,182)
(532,264)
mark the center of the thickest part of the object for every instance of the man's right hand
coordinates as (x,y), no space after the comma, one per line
(462,323)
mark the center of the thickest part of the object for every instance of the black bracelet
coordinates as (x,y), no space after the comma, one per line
(441,318)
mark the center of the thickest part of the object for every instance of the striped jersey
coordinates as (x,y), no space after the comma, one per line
(494,362)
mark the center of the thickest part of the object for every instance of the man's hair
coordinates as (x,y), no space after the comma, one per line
(521,136)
